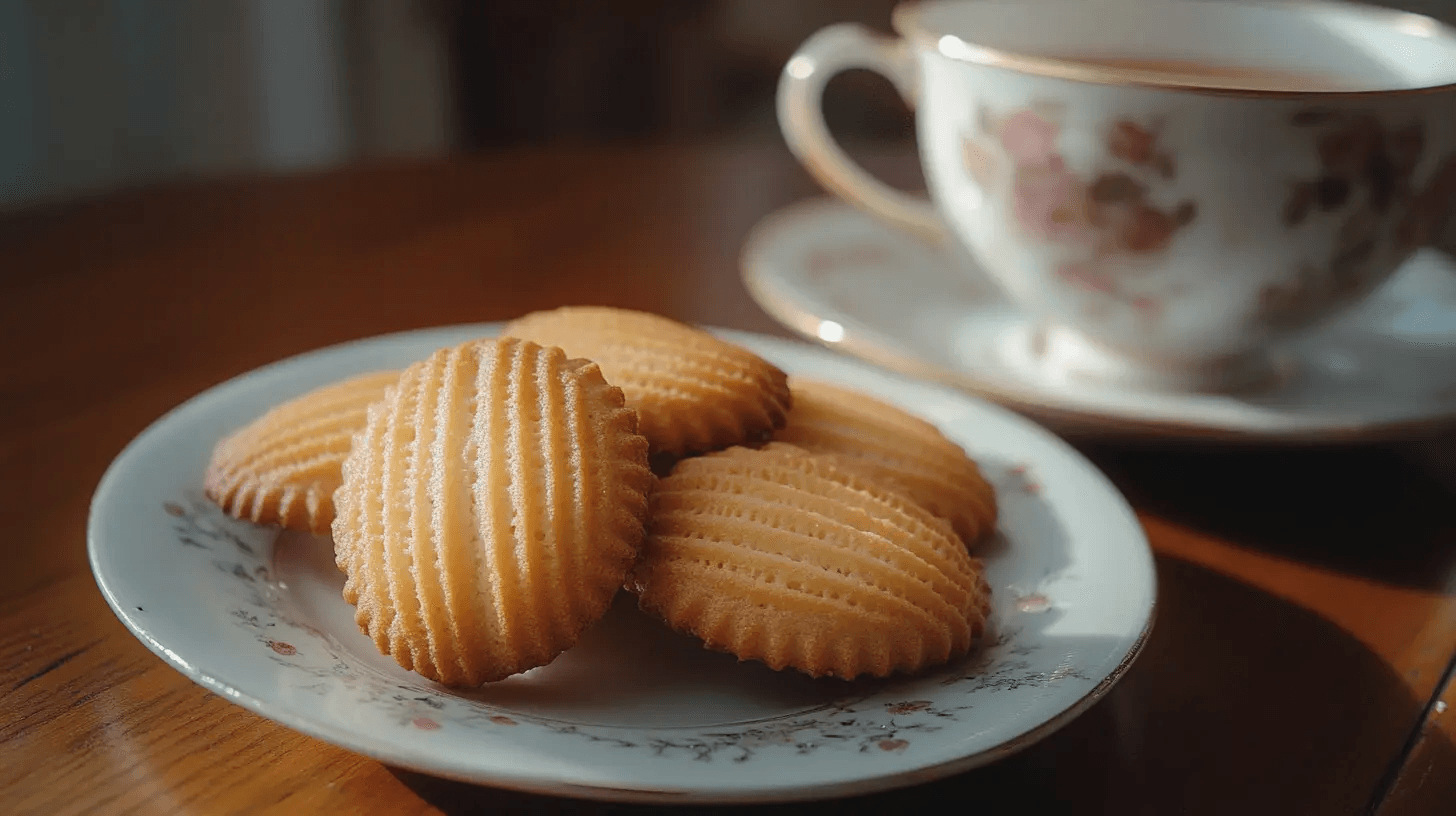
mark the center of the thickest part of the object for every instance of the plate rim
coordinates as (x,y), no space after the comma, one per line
(788,309)
(556,786)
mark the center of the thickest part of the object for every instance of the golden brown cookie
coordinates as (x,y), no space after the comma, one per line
(692,392)
(895,446)
(490,509)
(283,467)
(798,561)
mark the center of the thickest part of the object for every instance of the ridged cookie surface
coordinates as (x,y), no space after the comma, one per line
(798,561)
(895,446)
(283,467)
(490,510)
(692,392)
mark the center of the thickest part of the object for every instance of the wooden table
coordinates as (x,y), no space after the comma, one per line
(1307,606)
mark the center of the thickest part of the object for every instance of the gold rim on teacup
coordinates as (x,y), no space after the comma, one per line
(906,19)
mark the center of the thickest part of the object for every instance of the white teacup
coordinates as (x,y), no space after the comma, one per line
(1166,188)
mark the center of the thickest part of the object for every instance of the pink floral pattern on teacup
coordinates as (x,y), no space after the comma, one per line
(1051,203)
(1100,224)
(1431,209)
(1029,139)
(1366,180)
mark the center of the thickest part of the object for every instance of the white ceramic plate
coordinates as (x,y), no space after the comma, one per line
(839,276)
(633,712)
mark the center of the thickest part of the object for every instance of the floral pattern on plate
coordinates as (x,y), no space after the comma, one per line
(853,721)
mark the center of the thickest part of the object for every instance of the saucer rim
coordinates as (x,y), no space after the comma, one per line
(858,341)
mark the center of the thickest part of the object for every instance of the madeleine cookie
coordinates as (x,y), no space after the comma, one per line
(692,392)
(490,509)
(800,561)
(283,467)
(895,446)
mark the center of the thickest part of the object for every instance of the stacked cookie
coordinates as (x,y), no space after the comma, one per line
(488,502)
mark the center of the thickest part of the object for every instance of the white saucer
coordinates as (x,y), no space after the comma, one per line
(838,276)
(633,711)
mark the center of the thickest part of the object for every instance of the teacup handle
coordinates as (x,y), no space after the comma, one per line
(831,50)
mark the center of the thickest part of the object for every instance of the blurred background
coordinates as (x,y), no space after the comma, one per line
(97,95)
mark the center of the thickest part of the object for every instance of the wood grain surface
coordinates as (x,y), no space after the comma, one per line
(1424,782)
(1307,605)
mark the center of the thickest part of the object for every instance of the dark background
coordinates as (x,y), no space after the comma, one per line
(104,95)
(542,70)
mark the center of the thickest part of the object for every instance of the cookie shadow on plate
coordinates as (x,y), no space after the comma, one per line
(1231,708)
